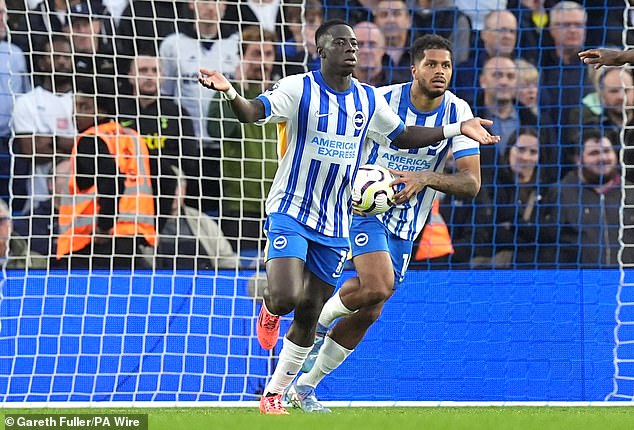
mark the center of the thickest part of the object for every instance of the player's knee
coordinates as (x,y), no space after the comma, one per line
(376,296)
(283,302)
(377,289)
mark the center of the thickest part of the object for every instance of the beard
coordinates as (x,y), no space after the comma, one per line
(428,92)
(592,178)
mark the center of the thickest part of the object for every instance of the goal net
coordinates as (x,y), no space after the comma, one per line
(135,266)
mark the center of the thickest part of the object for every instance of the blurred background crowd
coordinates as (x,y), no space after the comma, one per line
(101,114)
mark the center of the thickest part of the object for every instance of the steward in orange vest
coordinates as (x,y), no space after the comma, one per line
(110,191)
(435,240)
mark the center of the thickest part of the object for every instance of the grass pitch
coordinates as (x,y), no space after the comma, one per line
(480,418)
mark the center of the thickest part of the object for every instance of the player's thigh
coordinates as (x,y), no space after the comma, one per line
(400,253)
(326,261)
(285,254)
(369,240)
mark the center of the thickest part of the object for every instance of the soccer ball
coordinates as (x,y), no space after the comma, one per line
(371,191)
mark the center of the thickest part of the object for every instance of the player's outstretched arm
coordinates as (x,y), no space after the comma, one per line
(465,182)
(418,137)
(245,110)
(606,57)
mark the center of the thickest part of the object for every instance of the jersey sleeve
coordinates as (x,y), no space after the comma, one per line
(281,102)
(385,125)
(462,145)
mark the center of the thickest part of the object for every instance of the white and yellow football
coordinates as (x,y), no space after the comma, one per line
(372,193)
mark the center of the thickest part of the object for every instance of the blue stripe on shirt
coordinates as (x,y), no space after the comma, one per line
(331,179)
(342,117)
(419,203)
(358,106)
(302,125)
(267,105)
(397,131)
(466,152)
(374,153)
(307,199)
(324,107)
(338,222)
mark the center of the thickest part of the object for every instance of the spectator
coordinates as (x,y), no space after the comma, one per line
(248,151)
(108,220)
(36,24)
(530,100)
(532,20)
(499,88)
(528,86)
(373,64)
(190,239)
(144,24)
(519,190)
(14,251)
(394,20)
(350,11)
(441,17)
(605,20)
(13,82)
(115,9)
(584,210)
(41,226)
(164,129)
(477,10)
(92,42)
(299,51)
(611,107)
(497,39)
(468,221)
(564,79)
(266,14)
(43,121)
(202,41)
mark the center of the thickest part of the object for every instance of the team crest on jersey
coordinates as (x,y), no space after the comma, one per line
(280,242)
(273,88)
(358,120)
(361,239)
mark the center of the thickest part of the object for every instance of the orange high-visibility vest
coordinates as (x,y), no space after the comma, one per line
(135,212)
(435,240)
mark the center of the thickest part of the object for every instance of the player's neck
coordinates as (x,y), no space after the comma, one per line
(423,103)
(336,81)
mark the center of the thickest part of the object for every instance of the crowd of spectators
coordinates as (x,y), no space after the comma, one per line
(552,191)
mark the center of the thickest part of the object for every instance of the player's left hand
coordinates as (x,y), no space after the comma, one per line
(414,182)
(601,57)
(474,128)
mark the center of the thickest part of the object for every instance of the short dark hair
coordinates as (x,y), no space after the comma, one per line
(595,134)
(428,41)
(323,29)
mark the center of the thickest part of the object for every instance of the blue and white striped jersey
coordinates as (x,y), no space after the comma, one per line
(408,219)
(321,133)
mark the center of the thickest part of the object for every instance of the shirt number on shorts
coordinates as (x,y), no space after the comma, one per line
(342,262)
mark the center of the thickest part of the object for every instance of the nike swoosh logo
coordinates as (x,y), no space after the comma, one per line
(126,123)
(290,373)
(321,115)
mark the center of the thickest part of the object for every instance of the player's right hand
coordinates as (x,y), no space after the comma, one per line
(213,80)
